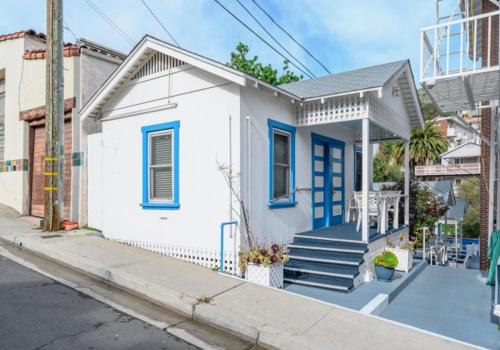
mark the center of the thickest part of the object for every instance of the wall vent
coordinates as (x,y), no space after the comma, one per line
(159,62)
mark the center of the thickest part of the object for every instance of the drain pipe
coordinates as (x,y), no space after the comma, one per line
(221,269)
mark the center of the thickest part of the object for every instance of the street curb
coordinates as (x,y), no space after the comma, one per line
(160,295)
(207,312)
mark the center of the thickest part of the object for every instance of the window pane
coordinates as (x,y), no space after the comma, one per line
(281,148)
(161,149)
(161,183)
(281,182)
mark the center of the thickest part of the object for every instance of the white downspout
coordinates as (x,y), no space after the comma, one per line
(248,171)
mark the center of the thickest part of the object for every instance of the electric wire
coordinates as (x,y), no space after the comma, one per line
(260,37)
(291,36)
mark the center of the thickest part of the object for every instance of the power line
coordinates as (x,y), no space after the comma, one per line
(261,38)
(275,40)
(110,21)
(159,22)
(67,27)
(291,36)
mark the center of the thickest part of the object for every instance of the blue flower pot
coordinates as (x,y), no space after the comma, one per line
(383,273)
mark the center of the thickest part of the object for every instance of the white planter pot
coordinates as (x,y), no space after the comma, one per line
(270,276)
(405,258)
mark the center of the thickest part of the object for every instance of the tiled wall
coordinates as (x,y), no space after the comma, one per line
(13,165)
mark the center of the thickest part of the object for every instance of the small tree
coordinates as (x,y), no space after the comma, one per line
(469,190)
(255,68)
(425,210)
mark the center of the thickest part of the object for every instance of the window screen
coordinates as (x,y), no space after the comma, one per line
(161,166)
(281,165)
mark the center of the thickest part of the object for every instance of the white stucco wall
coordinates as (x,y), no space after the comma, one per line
(14,185)
(93,71)
(95,181)
(204,104)
(280,224)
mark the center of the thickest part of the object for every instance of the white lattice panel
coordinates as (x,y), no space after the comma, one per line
(332,110)
(209,258)
(270,276)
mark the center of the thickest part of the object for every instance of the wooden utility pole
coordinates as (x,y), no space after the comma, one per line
(54,118)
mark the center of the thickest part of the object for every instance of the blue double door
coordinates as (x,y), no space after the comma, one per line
(327,181)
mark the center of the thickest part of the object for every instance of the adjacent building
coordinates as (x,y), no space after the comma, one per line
(22,116)
(460,71)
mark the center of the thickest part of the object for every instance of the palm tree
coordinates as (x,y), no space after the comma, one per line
(426,144)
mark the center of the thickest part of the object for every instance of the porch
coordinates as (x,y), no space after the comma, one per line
(347,232)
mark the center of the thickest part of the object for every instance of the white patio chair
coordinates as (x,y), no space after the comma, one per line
(392,199)
(373,208)
(352,210)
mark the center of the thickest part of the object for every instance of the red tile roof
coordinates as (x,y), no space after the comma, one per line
(21,34)
(39,112)
(69,51)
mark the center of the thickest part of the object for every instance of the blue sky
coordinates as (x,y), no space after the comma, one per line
(343,34)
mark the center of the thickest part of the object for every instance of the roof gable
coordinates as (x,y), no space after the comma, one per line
(468,149)
(154,54)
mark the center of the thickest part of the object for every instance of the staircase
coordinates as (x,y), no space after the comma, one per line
(329,263)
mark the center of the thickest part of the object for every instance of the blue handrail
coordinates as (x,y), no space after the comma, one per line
(221,269)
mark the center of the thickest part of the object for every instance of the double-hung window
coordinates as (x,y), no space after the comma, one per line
(2,119)
(161,166)
(281,164)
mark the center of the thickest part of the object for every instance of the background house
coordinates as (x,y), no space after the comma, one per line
(22,115)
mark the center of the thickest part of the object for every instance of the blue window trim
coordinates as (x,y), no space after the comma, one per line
(146,130)
(286,202)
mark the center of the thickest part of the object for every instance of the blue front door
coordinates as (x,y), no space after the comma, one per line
(327,181)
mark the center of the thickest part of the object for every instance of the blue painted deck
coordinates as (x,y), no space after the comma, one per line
(361,295)
(453,302)
(347,231)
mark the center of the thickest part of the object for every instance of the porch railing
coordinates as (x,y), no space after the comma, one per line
(458,48)
(450,169)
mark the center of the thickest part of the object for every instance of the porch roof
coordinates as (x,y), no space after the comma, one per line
(351,81)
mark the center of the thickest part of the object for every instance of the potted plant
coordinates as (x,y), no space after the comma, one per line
(403,249)
(385,263)
(264,266)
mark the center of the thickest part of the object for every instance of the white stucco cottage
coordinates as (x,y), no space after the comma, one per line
(161,127)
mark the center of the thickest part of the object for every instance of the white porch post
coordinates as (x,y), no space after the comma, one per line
(365,136)
(407,182)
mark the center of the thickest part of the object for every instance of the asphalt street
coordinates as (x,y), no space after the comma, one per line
(39,313)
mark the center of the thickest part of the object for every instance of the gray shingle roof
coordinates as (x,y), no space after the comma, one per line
(457,211)
(359,79)
(443,189)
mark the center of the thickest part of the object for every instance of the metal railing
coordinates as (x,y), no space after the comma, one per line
(456,48)
(449,169)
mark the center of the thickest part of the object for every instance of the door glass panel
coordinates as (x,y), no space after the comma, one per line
(319,197)
(336,153)
(318,212)
(336,181)
(336,167)
(336,210)
(319,165)
(318,150)
(318,181)
(337,196)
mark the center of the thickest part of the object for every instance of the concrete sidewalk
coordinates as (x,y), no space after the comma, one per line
(269,317)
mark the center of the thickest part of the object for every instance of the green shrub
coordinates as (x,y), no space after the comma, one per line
(386,259)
